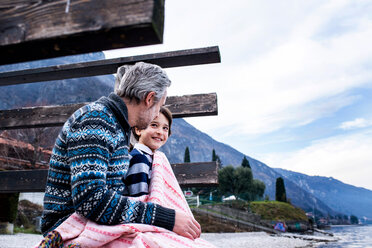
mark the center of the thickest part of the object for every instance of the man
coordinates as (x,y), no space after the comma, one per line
(90,157)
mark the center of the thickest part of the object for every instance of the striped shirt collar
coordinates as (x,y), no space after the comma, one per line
(143,148)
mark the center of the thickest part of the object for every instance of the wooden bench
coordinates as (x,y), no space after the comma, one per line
(77,27)
(188,174)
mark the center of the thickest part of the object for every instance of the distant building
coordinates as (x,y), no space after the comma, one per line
(310,215)
(229,198)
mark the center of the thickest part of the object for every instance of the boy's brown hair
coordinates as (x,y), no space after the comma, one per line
(166,112)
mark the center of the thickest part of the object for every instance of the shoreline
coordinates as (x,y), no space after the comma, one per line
(262,239)
(231,240)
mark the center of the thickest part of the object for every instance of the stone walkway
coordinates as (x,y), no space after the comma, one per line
(231,240)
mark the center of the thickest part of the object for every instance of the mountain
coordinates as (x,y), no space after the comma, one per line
(55,92)
(339,196)
(201,146)
(183,134)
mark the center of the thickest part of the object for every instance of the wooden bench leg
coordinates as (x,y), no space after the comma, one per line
(8,212)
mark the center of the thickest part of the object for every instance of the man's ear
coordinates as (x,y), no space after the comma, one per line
(150,98)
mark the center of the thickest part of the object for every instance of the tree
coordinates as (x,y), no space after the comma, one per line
(239,182)
(245,163)
(187,155)
(228,181)
(215,157)
(243,180)
(234,181)
(259,188)
(353,219)
(280,194)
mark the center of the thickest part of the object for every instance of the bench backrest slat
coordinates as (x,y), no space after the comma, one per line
(200,174)
(187,57)
(187,174)
(48,116)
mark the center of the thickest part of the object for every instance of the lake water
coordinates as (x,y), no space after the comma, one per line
(351,236)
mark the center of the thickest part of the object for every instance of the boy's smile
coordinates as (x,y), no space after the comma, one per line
(156,134)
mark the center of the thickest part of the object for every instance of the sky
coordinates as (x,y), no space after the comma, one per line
(294,85)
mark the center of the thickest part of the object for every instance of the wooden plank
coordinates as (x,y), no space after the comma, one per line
(109,66)
(188,175)
(23,181)
(33,30)
(9,163)
(192,105)
(48,116)
(196,174)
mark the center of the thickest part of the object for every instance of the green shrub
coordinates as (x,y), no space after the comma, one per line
(275,210)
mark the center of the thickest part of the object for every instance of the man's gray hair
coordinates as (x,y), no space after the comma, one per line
(136,81)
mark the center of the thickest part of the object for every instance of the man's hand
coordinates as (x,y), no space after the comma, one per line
(186,226)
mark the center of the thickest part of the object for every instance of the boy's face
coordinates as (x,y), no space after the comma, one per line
(156,134)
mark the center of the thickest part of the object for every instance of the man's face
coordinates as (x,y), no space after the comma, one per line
(152,112)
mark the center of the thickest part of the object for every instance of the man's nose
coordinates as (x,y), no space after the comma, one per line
(157,113)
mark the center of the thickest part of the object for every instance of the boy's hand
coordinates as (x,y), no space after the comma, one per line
(186,226)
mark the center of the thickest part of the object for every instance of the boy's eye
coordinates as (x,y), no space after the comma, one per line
(166,128)
(153,125)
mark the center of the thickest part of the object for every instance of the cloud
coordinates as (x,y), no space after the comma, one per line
(357,123)
(345,157)
(284,64)
(297,79)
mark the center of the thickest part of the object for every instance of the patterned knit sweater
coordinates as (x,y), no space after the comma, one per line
(89,160)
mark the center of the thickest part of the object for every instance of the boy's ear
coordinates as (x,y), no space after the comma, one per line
(150,98)
(137,131)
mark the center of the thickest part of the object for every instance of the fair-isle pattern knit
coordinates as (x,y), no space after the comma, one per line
(164,190)
(89,159)
(54,240)
(138,177)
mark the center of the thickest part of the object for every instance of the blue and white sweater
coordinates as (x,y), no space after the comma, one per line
(138,177)
(89,160)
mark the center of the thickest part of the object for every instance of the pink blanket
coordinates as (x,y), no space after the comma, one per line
(164,190)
